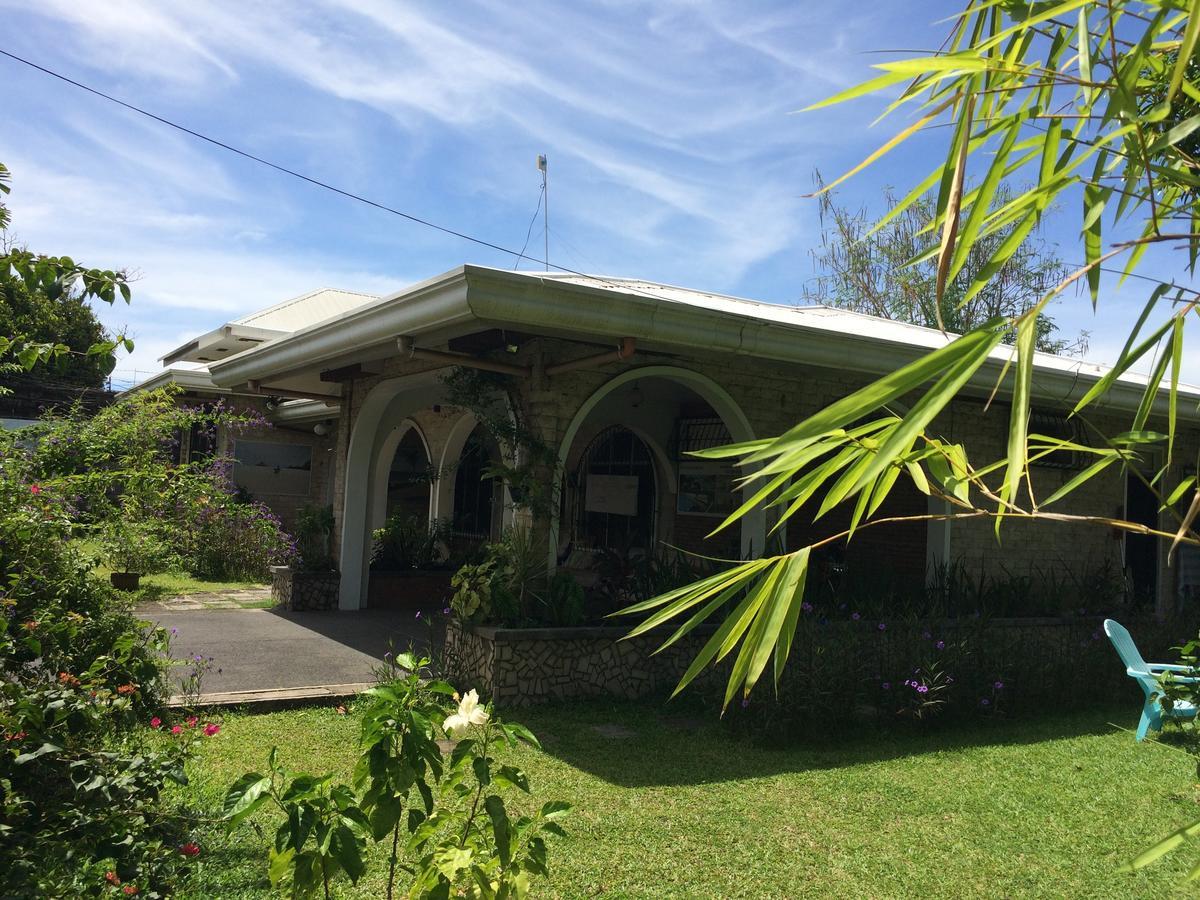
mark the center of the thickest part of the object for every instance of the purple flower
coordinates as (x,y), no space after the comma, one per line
(418,615)
(882,627)
(388,656)
(446,611)
(984,701)
(806,606)
(940,645)
(887,685)
(174,630)
(745,702)
(999,685)
(923,689)
(855,616)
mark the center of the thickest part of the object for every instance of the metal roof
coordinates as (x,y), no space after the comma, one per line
(267,324)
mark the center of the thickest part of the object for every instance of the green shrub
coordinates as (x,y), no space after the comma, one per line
(409,542)
(443,818)
(81,787)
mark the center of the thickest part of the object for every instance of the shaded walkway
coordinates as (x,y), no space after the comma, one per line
(261,649)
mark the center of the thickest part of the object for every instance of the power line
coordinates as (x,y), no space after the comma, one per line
(316,182)
(529,231)
(277,167)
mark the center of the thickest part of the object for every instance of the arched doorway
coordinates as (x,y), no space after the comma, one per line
(612,496)
(407,482)
(669,410)
(478,502)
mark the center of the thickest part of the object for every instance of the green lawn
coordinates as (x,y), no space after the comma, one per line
(681,809)
(168,584)
(172,584)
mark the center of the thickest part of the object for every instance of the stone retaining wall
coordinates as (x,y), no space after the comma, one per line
(1038,660)
(315,591)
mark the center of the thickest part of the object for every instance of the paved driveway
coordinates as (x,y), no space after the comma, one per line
(262,649)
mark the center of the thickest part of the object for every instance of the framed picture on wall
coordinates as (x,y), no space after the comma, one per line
(705,489)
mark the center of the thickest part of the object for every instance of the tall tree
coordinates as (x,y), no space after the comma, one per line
(889,272)
(44,313)
(1072,104)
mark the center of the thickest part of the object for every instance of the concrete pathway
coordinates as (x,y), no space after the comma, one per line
(256,650)
(243,598)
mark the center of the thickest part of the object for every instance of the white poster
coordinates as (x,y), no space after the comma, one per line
(614,494)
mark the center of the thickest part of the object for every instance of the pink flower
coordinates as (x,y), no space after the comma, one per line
(155,722)
(35,489)
(210,729)
(175,729)
(192,720)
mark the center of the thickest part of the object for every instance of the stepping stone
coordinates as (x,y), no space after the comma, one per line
(614,731)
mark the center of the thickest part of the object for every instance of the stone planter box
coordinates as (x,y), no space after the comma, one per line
(302,591)
(524,666)
(1039,659)
(409,589)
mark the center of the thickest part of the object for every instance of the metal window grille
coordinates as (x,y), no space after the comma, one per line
(699,434)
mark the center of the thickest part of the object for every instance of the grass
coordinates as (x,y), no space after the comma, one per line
(172,584)
(1046,808)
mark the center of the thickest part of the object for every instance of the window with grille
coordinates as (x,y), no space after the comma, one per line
(1060,427)
(474,491)
(615,493)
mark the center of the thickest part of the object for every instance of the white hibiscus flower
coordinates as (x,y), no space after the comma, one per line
(469,713)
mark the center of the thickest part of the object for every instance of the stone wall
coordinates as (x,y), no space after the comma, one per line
(1036,661)
(299,591)
(519,667)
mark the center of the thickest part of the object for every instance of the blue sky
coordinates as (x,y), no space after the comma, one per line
(673,152)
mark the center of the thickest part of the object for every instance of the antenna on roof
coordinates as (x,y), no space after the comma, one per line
(541,164)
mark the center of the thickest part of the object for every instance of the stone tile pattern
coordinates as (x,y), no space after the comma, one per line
(316,591)
(1039,660)
(520,667)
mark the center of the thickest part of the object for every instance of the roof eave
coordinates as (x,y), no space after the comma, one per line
(519,300)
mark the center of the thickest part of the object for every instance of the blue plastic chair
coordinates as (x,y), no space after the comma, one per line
(1146,675)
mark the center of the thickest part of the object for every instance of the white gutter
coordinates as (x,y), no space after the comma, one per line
(495,297)
(303,411)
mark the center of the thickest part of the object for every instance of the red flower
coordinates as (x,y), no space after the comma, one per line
(130,890)
(155,722)
(192,720)
(35,489)
(175,729)
(210,729)
(126,689)
(112,878)
(191,848)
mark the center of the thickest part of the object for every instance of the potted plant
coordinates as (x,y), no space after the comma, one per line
(133,548)
(410,563)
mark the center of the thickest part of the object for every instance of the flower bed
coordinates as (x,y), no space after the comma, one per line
(837,666)
(304,591)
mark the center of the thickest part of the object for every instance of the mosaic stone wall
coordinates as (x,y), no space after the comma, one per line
(1038,661)
(519,667)
(299,591)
